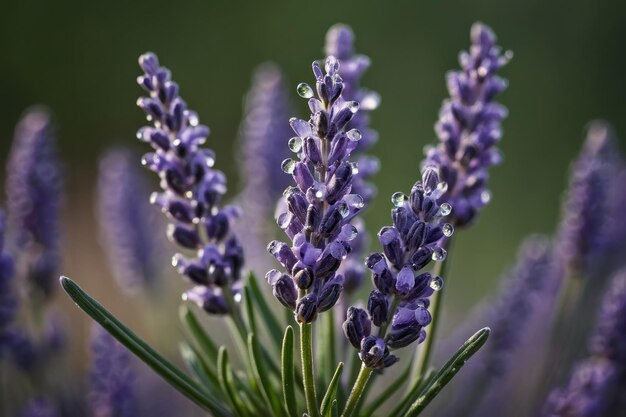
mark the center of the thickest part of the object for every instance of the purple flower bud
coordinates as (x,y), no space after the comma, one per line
(378,307)
(209,299)
(329,294)
(373,351)
(306,308)
(357,326)
(304,278)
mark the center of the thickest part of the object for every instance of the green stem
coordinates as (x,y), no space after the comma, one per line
(423,356)
(306,351)
(357,390)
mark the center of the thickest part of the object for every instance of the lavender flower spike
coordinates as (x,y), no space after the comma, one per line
(320,206)
(33,192)
(112,380)
(128,222)
(340,44)
(192,190)
(596,385)
(263,134)
(581,235)
(398,305)
(469,126)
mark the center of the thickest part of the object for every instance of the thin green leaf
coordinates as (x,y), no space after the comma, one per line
(247,299)
(270,320)
(226,380)
(198,334)
(169,372)
(261,375)
(329,397)
(287,374)
(387,393)
(326,349)
(447,372)
(413,392)
(335,409)
(199,367)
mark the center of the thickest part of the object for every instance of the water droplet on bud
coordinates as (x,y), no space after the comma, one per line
(355,168)
(442,187)
(351,232)
(439,254)
(436,283)
(353,106)
(354,200)
(448,230)
(304,90)
(398,199)
(272,247)
(343,209)
(288,166)
(354,135)
(445,209)
(295,144)
(485,197)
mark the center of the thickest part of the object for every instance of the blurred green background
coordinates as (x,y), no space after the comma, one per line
(79,58)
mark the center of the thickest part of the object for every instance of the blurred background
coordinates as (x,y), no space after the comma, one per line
(80,59)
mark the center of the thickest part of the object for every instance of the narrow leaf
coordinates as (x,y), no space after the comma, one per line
(388,392)
(469,348)
(247,299)
(287,374)
(329,397)
(198,334)
(261,375)
(199,367)
(226,380)
(270,320)
(169,372)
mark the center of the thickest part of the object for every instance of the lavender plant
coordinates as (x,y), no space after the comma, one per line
(319,214)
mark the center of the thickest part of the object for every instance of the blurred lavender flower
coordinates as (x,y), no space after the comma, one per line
(469,126)
(40,407)
(112,380)
(521,289)
(263,134)
(598,382)
(582,236)
(8,297)
(340,44)
(399,303)
(320,206)
(33,192)
(192,190)
(128,222)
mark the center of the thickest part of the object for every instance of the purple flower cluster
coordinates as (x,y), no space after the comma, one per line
(399,303)
(127,222)
(340,44)
(582,234)
(112,380)
(192,190)
(320,206)
(469,126)
(595,383)
(263,134)
(33,192)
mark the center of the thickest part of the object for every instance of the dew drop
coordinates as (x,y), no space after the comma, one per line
(284,219)
(436,283)
(442,187)
(448,230)
(354,135)
(485,197)
(354,200)
(272,247)
(350,232)
(353,106)
(192,118)
(289,191)
(445,209)
(371,101)
(295,144)
(398,199)
(343,209)
(355,168)
(177,260)
(304,90)
(288,166)
(439,254)
(237,297)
